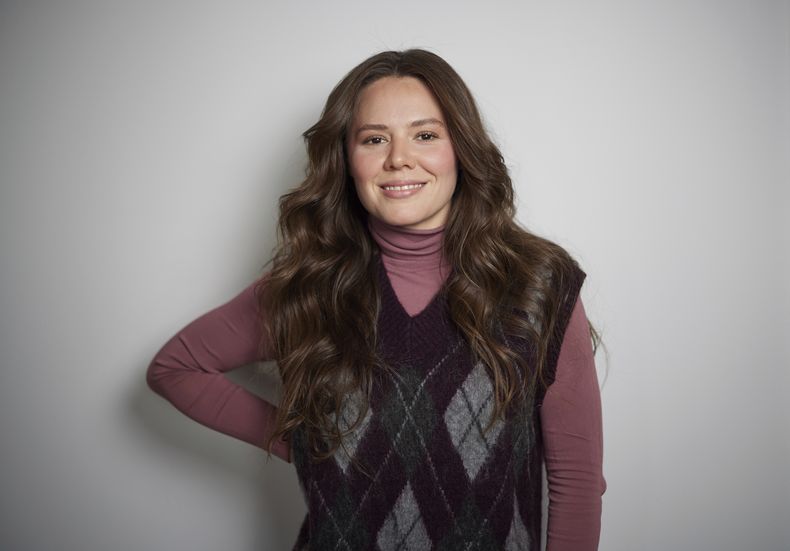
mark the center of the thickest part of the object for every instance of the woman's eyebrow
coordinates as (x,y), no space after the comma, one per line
(419,122)
(423,122)
(371,127)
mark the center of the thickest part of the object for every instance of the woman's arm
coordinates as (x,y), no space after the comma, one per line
(573,443)
(188,371)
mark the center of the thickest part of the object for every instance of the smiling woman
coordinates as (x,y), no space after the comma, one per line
(433,353)
(400,154)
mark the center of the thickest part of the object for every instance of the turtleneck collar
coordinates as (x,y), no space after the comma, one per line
(408,248)
(414,260)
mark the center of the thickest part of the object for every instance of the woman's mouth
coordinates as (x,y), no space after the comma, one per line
(399,190)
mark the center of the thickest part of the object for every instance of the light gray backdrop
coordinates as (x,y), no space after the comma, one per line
(143,149)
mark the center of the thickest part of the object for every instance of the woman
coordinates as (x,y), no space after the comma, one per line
(432,352)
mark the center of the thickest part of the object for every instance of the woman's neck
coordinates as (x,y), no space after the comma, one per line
(414,261)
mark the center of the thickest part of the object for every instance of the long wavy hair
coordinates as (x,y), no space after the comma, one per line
(321,298)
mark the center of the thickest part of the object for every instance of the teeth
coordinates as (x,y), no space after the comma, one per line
(401,188)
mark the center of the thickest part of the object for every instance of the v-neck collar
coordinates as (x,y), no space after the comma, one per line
(388,293)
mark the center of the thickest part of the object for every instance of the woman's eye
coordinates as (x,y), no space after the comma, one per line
(373,140)
(426,136)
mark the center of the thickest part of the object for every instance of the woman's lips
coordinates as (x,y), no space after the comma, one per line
(401,189)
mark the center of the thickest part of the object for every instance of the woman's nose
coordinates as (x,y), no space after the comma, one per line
(400,154)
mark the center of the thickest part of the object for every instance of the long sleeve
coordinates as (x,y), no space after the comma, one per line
(188,371)
(573,441)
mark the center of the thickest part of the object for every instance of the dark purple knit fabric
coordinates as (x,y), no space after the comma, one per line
(429,477)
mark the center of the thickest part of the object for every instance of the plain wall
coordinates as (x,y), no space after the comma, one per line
(143,146)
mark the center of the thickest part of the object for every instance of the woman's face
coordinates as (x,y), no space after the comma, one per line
(400,155)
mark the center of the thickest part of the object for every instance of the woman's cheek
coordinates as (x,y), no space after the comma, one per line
(441,160)
(362,165)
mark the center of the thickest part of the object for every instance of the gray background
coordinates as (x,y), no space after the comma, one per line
(143,146)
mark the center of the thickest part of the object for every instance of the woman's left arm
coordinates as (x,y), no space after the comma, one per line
(573,443)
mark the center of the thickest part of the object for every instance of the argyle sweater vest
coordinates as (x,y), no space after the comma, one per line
(431,478)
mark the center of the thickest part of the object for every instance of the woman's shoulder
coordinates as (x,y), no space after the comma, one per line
(539,258)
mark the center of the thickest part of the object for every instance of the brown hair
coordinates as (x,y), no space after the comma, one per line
(321,297)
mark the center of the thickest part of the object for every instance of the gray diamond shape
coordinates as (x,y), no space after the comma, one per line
(403,528)
(348,416)
(468,414)
(518,537)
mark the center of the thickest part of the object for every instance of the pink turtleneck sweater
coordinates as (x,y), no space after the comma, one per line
(189,372)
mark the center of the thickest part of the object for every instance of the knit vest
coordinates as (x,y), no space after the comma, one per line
(431,478)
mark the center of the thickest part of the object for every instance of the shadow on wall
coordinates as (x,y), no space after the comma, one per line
(274,481)
(276,485)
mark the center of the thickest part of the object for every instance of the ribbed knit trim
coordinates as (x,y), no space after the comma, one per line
(406,248)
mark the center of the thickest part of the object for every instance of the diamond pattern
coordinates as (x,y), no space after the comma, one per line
(339,532)
(518,537)
(468,414)
(403,529)
(350,442)
(472,531)
(409,417)
(437,480)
